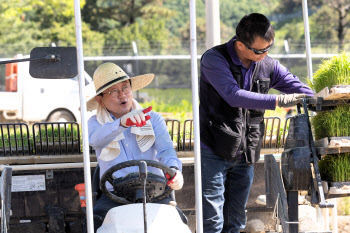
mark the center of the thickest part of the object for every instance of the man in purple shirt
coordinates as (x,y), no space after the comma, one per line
(234,84)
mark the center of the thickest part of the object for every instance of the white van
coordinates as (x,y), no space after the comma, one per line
(28,99)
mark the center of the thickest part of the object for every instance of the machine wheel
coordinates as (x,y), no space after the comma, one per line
(61,116)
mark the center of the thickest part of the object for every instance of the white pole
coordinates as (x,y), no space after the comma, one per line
(307,39)
(212,16)
(325,218)
(195,107)
(87,169)
(335,216)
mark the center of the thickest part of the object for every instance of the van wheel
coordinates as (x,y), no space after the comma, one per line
(61,116)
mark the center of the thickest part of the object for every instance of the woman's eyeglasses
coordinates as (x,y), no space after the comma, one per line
(116,92)
(258,51)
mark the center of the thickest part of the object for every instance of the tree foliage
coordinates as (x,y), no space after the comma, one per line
(341,18)
(32,23)
(329,21)
(231,11)
(157,26)
(162,27)
(104,15)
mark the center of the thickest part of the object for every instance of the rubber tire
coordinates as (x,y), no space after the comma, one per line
(61,116)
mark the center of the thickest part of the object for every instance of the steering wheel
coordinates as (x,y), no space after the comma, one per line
(132,181)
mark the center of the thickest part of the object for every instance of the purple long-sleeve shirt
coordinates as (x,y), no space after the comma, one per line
(215,70)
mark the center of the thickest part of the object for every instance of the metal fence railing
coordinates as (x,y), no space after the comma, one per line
(56,138)
(63,138)
(187,135)
(275,193)
(272,132)
(14,139)
(174,131)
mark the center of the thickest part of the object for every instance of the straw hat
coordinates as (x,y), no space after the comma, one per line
(109,74)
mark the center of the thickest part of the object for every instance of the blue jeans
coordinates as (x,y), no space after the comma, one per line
(225,187)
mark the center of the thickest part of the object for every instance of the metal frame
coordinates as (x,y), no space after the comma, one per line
(44,139)
(277,129)
(307,39)
(63,142)
(19,140)
(83,110)
(276,196)
(184,135)
(5,197)
(175,131)
(195,109)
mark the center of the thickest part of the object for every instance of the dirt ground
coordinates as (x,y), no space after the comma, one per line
(343,211)
(343,224)
(310,222)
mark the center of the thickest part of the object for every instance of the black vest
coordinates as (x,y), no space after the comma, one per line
(231,131)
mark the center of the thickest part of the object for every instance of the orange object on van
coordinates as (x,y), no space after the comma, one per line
(11,77)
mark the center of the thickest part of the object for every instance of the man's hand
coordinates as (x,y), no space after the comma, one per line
(136,117)
(177,181)
(286,101)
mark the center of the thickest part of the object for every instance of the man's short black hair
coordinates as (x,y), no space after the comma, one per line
(252,26)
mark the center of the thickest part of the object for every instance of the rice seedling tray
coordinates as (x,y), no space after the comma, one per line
(336,189)
(333,145)
(327,99)
(317,104)
(332,150)
(335,93)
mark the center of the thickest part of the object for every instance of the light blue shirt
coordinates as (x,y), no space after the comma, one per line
(162,150)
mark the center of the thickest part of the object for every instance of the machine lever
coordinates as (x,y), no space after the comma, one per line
(143,178)
(322,201)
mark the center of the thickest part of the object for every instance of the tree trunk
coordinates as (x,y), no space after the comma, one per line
(343,9)
(341,25)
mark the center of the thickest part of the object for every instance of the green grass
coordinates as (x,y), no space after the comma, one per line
(177,104)
(11,137)
(58,134)
(13,141)
(278,112)
(335,168)
(334,123)
(343,206)
(172,103)
(335,71)
(170,100)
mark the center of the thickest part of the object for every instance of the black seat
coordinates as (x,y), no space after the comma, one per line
(95,185)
